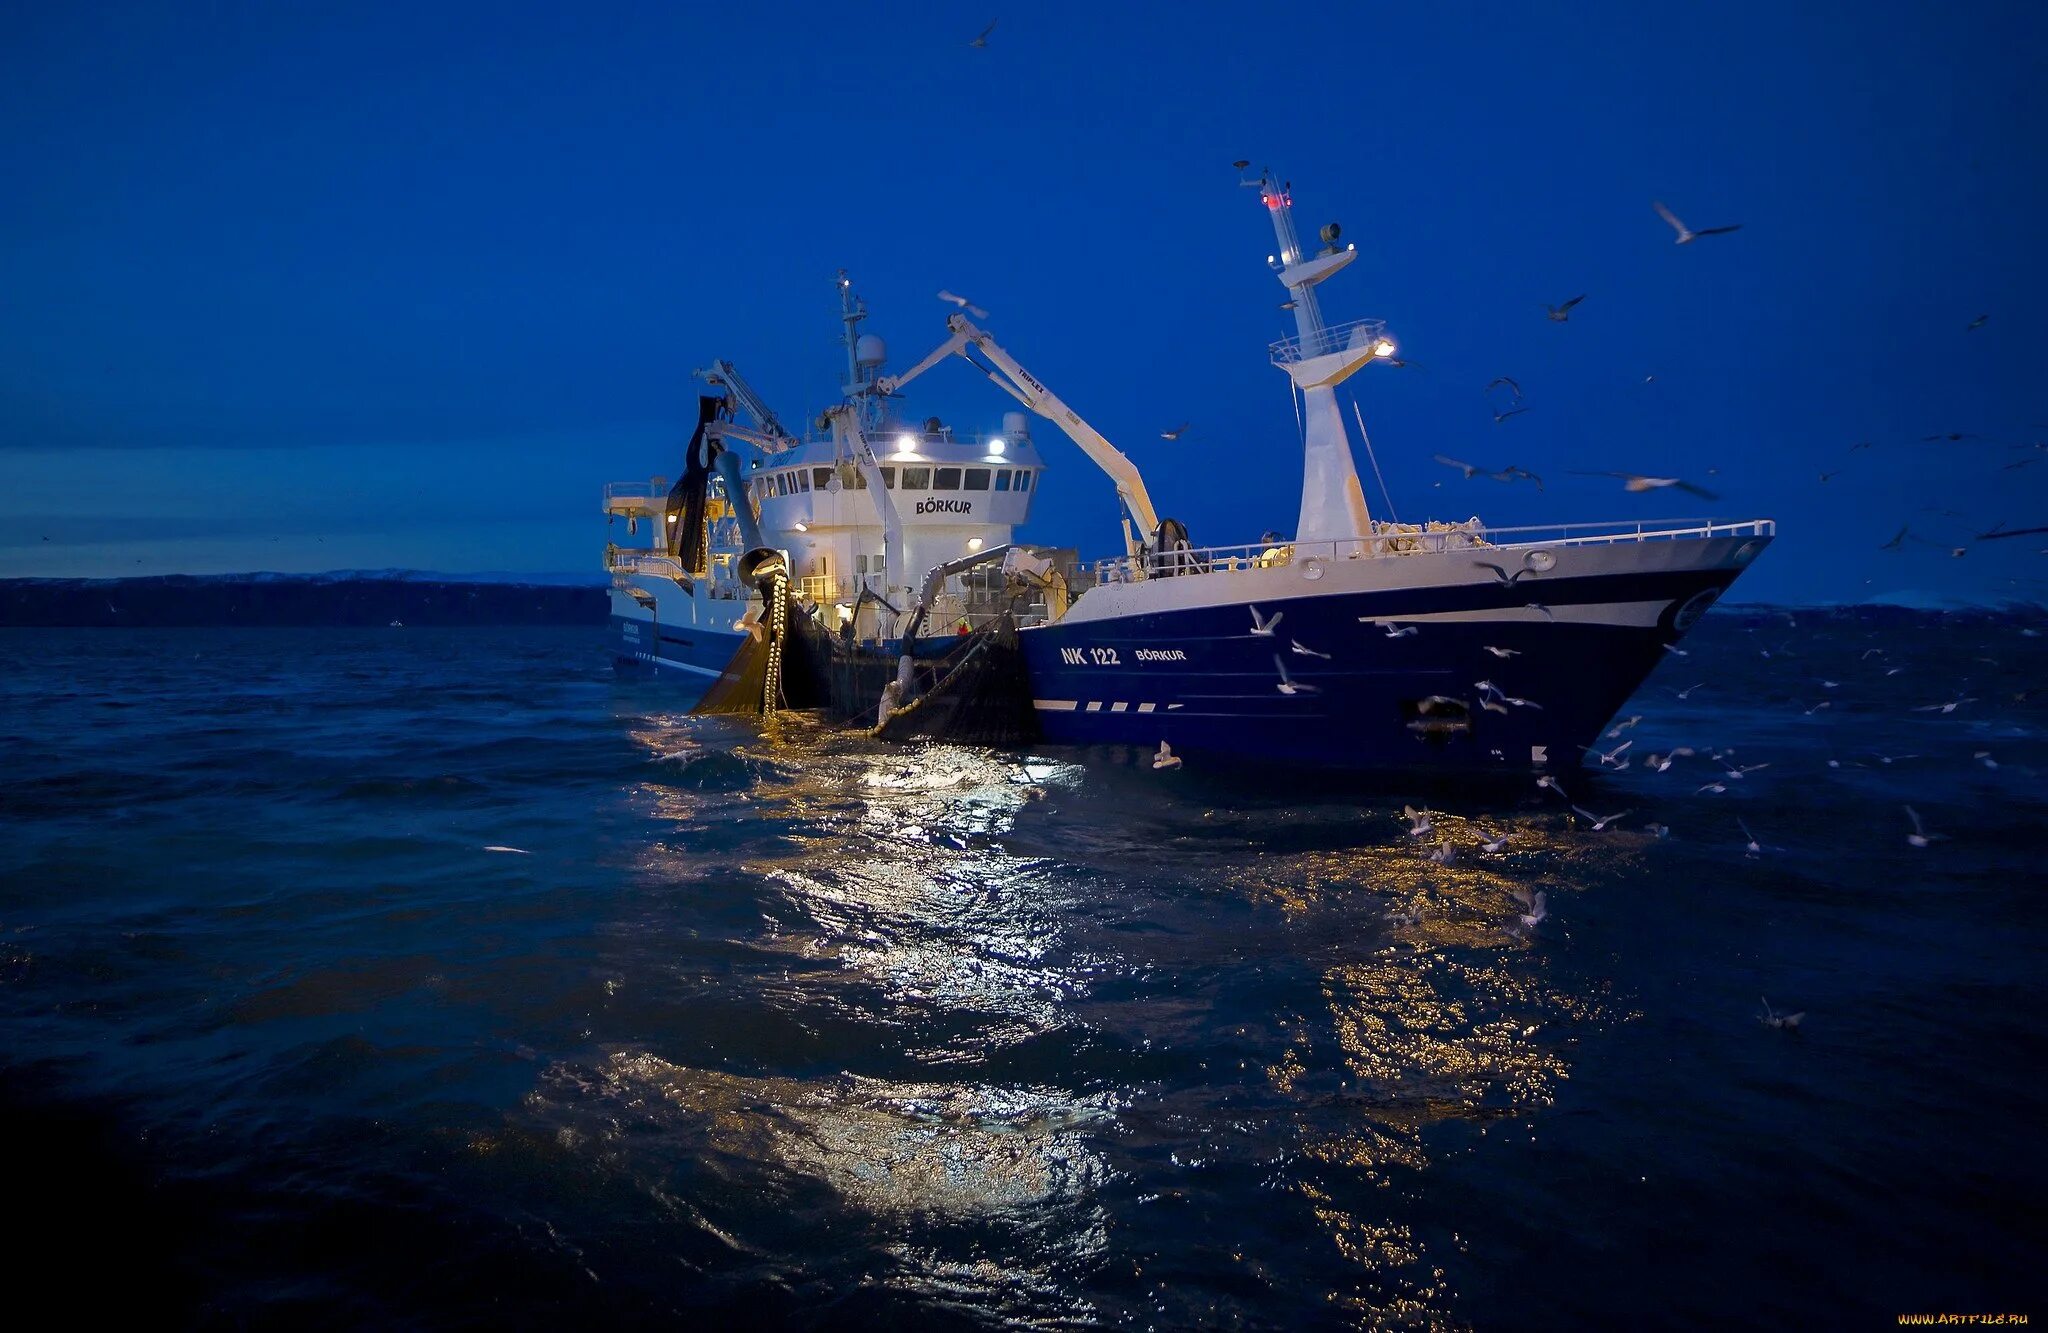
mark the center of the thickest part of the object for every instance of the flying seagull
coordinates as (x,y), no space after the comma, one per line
(1977,323)
(1514,411)
(964,304)
(1686,235)
(1166,758)
(1635,484)
(1264,627)
(1771,1018)
(1288,684)
(1470,470)
(1296,646)
(981,42)
(1898,540)
(1499,380)
(1561,313)
(1175,433)
(1920,837)
(1501,576)
(1599,822)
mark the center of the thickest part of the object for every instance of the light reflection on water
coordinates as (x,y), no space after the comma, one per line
(942,908)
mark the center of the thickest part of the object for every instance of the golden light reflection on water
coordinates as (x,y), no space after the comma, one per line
(1433,1005)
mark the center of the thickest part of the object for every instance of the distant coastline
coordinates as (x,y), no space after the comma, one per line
(368,597)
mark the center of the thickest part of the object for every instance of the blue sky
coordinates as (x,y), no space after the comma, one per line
(317,287)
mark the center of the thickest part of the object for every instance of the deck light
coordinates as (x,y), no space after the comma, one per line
(1384,347)
(996,447)
(801,527)
(906,445)
(974,543)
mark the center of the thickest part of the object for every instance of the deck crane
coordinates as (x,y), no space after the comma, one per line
(1020,384)
(721,372)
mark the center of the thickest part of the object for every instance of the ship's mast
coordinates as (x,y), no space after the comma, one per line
(1318,359)
(860,375)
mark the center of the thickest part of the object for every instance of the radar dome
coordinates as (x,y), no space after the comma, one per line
(869,350)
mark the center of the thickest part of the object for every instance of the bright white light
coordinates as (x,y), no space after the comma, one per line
(974,543)
(801,527)
(997,445)
(845,612)
(1384,347)
(1272,259)
(906,445)
(671,518)
(1352,246)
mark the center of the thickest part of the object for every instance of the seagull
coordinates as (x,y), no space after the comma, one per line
(1295,645)
(1548,781)
(1287,684)
(1537,910)
(1976,323)
(1599,822)
(1657,830)
(1561,313)
(1675,650)
(1175,433)
(1716,787)
(1943,709)
(1984,756)
(964,304)
(1624,726)
(1613,757)
(1166,758)
(1502,379)
(1393,631)
(1445,853)
(1920,837)
(1825,475)
(981,42)
(1825,703)
(1754,847)
(1501,576)
(1538,606)
(1686,693)
(1898,540)
(1513,473)
(1687,236)
(1521,703)
(1503,652)
(1499,417)
(1771,1018)
(1495,844)
(1418,821)
(1435,701)
(515,851)
(1468,469)
(1489,706)
(1743,770)
(1262,627)
(1635,484)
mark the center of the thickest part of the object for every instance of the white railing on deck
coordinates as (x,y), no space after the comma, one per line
(1392,541)
(1337,338)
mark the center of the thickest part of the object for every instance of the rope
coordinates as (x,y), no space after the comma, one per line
(778,622)
(1385,494)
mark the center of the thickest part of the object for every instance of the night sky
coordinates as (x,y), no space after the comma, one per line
(339,286)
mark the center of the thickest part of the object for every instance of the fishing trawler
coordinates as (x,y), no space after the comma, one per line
(872,568)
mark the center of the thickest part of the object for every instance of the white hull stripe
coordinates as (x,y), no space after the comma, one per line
(1055,705)
(680,666)
(1635,614)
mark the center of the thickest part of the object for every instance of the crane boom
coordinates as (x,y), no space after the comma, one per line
(1022,385)
(722,372)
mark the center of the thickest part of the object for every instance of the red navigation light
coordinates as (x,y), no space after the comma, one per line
(1274,201)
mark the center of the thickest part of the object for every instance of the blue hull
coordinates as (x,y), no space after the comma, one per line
(1204,681)
(645,648)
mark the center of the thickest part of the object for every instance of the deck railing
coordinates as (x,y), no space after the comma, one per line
(1393,541)
(1337,338)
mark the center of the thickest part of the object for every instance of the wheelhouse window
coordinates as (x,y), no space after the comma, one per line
(976,479)
(889,478)
(1003,479)
(917,479)
(821,478)
(946,479)
(1023,479)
